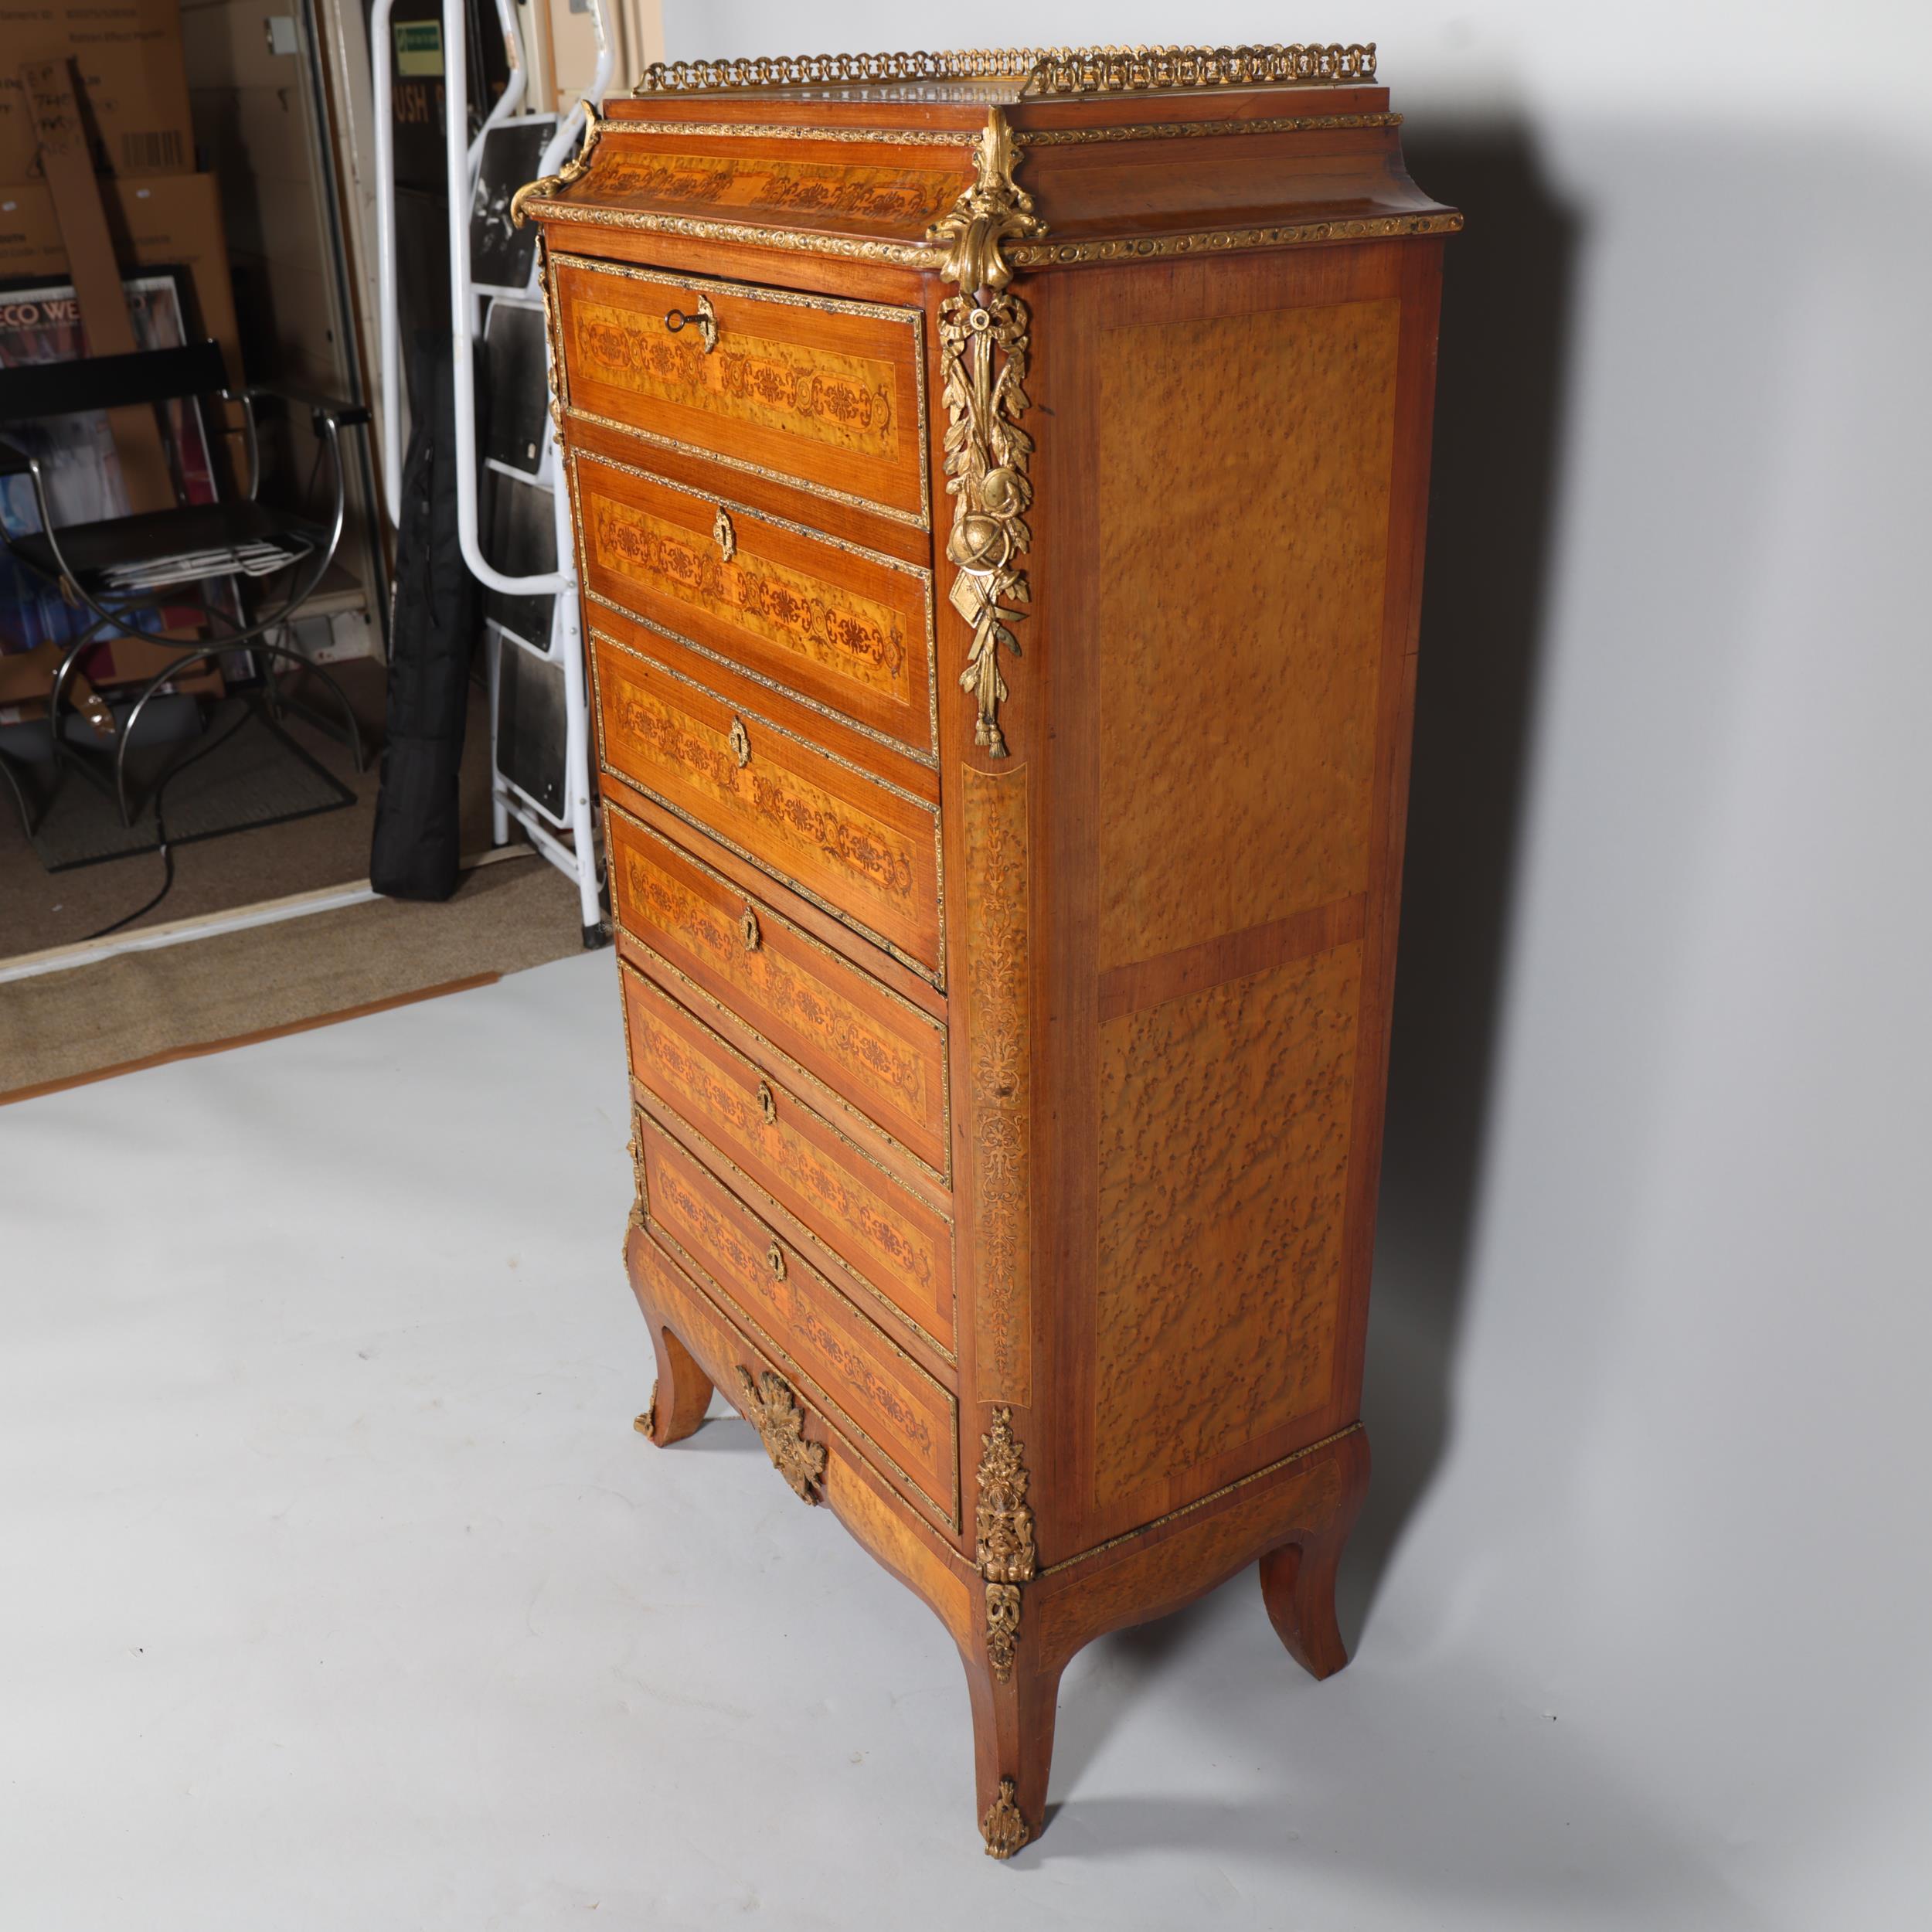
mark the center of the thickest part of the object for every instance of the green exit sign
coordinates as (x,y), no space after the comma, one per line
(419,49)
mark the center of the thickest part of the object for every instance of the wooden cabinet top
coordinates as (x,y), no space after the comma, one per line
(1116,154)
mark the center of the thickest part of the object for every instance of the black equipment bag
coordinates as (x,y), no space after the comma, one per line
(437,619)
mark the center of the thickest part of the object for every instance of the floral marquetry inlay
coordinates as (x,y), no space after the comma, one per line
(842,400)
(802,813)
(896,1249)
(806,1004)
(788,1300)
(761,184)
(998,1024)
(834,628)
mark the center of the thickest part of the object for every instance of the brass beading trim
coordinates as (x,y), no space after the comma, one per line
(884,558)
(1220,241)
(760,718)
(872,1160)
(1200,1502)
(1183,130)
(910,517)
(787,131)
(1033,255)
(929,758)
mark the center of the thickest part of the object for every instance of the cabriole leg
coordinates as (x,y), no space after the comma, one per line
(683,1393)
(1299,1577)
(1012,1747)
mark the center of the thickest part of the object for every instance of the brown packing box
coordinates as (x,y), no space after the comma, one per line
(133,83)
(164,222)
(27,676)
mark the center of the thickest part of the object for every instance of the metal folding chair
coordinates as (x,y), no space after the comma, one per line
(211,541)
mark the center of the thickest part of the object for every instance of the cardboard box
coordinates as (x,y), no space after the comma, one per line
(133,82)
(168,221)
(26,677)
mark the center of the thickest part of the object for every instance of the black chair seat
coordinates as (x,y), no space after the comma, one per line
(91,549)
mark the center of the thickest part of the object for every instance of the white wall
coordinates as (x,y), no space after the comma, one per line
(1654,1323)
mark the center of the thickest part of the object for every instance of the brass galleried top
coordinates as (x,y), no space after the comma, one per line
(1101,70)
(1041,73)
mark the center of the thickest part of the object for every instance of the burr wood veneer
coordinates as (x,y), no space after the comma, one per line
(999,486)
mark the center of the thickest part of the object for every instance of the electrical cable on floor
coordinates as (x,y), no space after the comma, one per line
(161,829)
(167,887)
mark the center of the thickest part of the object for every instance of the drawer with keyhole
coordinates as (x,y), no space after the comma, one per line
(843,629)
(824,394)
(879,1053)
(892,1236)
(861,847)
(898,1410)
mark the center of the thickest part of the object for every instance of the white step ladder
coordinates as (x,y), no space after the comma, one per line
(570,810)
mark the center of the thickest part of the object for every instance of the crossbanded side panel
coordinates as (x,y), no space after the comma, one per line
(1241,658)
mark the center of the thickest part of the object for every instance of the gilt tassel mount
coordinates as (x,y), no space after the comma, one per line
(983,355)
(983,350)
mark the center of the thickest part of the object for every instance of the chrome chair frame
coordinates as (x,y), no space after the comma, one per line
(327,418)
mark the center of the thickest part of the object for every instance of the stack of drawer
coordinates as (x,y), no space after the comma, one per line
(754,500)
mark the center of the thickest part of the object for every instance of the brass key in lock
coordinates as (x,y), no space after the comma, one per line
(705,320)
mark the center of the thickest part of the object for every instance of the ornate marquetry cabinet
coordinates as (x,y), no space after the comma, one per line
(998,482)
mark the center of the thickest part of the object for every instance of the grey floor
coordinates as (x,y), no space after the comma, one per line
(336,1590)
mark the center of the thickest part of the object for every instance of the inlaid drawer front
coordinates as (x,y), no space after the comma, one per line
(898,1244)
(875,1048)
(860,848)
(901,1413)
(841,626)
(826,394)
(889,190)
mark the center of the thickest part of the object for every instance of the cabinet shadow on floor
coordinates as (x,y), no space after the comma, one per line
(1405,1784)
(1506,315)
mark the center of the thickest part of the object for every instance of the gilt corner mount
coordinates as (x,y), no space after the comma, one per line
(574,169)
